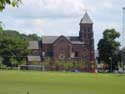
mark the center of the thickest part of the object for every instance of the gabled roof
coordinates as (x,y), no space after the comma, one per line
(86,19)
(49,39)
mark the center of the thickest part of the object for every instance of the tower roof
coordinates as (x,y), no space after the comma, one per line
(86,19)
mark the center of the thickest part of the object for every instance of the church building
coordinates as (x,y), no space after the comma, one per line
(66,47)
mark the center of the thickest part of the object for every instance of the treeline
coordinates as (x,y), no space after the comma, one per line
(13,47)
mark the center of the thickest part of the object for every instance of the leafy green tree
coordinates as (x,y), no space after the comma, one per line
(13,62)
(13,3)
(108,48)
(13,45)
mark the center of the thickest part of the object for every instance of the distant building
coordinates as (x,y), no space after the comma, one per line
(66,47)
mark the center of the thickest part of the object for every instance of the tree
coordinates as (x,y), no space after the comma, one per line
(13,47)
(108,48)
(13,3)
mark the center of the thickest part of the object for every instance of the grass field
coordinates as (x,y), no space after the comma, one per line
(19,82)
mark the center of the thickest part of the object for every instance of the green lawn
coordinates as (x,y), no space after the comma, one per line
(19,82)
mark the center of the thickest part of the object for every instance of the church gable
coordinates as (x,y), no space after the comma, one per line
(62,48)
(62,40)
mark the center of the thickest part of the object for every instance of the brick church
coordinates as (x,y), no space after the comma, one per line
(66,47)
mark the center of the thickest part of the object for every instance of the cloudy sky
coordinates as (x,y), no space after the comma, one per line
(62,17)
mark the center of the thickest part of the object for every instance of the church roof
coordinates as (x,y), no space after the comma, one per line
(52,39)
(86,19)
(49,39)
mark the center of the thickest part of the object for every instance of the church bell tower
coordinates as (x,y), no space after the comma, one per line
(86,36)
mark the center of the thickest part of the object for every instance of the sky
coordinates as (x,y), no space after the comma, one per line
(62,17)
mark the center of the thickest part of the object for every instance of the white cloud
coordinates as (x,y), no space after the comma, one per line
(48,8)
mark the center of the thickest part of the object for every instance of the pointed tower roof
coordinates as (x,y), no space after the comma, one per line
(86,19)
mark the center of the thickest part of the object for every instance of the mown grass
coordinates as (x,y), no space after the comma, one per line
(21,82)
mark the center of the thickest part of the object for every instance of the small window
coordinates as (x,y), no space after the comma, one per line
(49,54)
(85,30)
(89,29)
(76,54)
